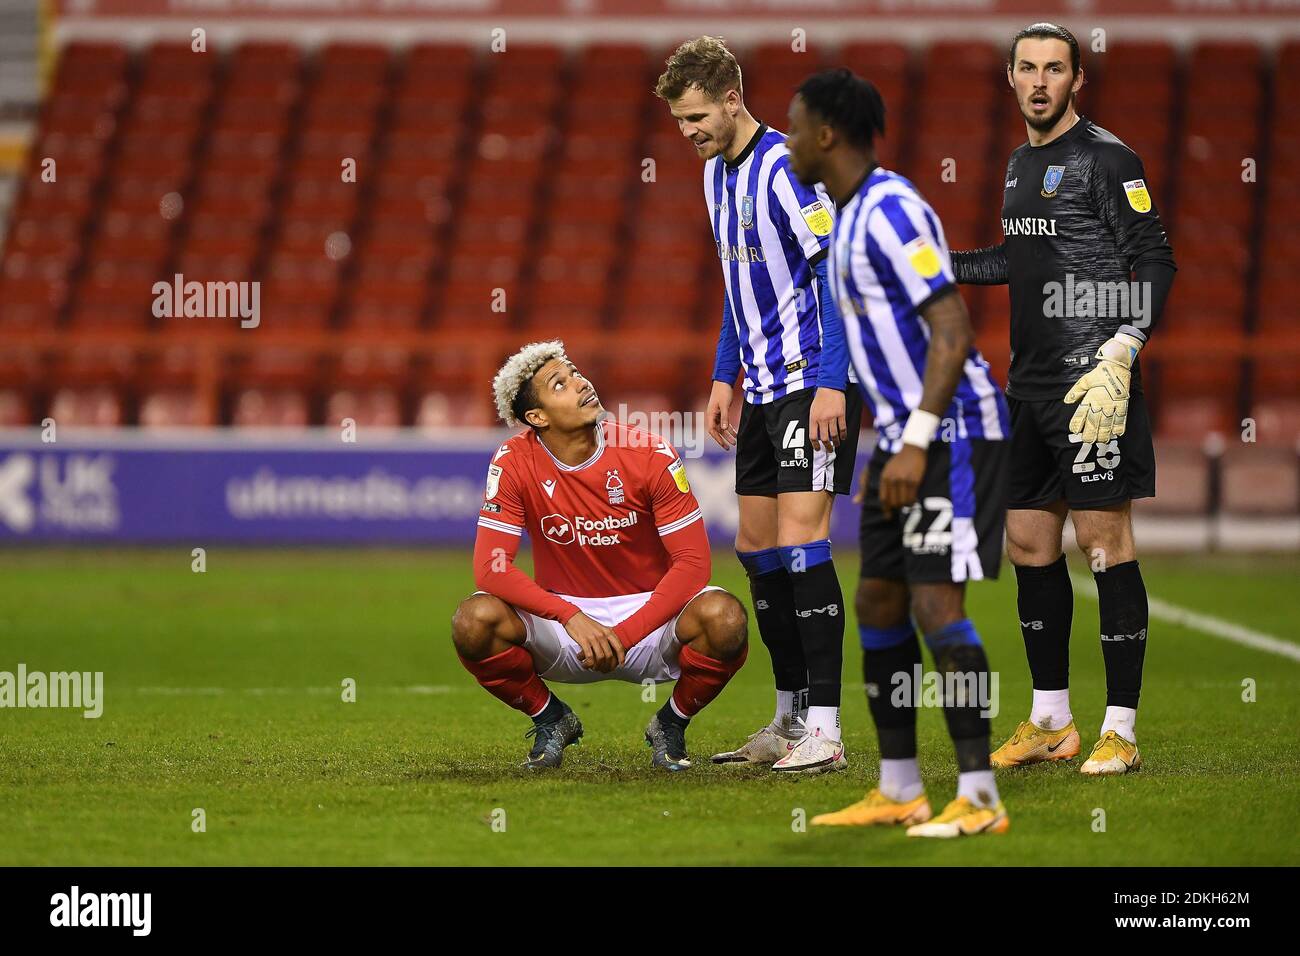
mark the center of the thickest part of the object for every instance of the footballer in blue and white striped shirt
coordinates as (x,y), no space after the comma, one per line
(932,510)
(797,437)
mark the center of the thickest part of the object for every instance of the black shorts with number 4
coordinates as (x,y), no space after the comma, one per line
(774,451)
(954,530)
(1048,463)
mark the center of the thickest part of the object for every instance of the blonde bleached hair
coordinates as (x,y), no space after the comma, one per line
(515,375)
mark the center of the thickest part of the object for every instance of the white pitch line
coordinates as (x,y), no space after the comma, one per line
(1205,623)
(422,689)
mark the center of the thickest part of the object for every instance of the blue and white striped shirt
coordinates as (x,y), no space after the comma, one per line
(772,235)
(889,259)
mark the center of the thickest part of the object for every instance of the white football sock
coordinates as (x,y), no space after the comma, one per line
(1051,710)
(978,787)
(825,719)
(788,713)
(901,779)
(1122,720)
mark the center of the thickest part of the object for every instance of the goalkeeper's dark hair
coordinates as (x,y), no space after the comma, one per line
(850,105)
(1046,31)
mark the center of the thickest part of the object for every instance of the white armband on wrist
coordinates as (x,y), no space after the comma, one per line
(920,428)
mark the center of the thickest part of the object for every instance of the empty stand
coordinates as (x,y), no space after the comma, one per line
(411,215)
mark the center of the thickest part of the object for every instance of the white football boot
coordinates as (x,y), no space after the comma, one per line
(813,753)
(764,747)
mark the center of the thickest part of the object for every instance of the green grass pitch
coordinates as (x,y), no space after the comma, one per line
(223,692)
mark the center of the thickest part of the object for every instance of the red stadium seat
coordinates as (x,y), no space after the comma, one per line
(1277,421)
(1183,481)
(1260,480)
(15,410)
(375,408)
(277,408)
(171,409)
(437,411)
(86,408)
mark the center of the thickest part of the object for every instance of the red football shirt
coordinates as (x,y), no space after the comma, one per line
(623,522)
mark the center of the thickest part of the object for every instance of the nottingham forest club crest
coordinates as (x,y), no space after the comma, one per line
(614,486)
(1052,181)
(747,211)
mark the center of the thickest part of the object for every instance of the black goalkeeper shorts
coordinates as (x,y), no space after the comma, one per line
(1048,463)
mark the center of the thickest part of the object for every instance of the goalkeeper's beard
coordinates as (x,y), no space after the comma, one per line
(1047,120)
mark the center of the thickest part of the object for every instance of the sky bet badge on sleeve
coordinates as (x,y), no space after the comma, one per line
(494,479)
(1138,197)
(923,256)
(818,218)
(678,470)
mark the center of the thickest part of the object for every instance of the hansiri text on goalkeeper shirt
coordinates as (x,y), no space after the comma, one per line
(596,528)
(770,231)
(889,260)
(1077,217)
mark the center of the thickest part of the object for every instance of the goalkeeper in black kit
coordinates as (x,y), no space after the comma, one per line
(1088,268)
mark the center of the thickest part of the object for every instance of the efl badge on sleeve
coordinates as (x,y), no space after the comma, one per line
(747,211)
(1052,181)
(818,218)
(494,479)
(1138,197)
(923,257)
(678,470)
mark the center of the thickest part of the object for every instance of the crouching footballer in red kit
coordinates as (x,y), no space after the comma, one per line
(621,560)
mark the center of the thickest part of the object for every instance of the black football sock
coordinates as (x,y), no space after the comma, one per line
(1045,599)
(891,665)
(1122,605)
(960,660)
(667,715)
(773,594)
(552,712)
(819,609)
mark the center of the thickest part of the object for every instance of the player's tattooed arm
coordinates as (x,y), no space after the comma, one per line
(987,266)
(951,339)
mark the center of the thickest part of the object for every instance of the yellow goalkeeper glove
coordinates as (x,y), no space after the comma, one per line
(1102,392)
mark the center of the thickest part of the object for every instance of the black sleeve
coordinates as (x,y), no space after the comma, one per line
(1157,278)
(986,266)
(1126,206)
